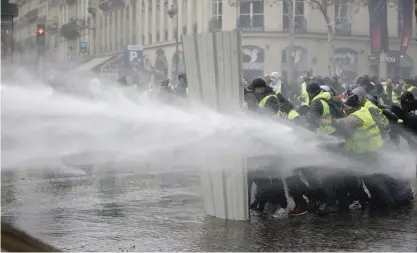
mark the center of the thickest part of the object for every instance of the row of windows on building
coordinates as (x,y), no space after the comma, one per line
(251,16)
(124,37)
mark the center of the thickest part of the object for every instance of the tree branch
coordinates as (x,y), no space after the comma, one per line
(323,9)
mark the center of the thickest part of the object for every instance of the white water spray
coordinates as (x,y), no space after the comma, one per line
(43,129)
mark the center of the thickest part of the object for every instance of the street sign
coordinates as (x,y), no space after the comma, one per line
(133,57)
(83,46)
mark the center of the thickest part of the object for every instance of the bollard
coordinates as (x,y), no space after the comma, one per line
(214,72)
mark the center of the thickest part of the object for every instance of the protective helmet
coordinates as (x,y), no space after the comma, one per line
(258,83)
(313,88)
(351,88)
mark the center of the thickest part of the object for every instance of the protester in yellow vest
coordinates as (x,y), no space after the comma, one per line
(319,109)
(391,90)
(288,109)
(363,134)
(372,104)
(408,87)
(304,98)
(267,101)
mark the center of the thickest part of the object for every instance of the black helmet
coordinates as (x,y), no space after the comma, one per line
(258,83)
(313,87)
(353,101)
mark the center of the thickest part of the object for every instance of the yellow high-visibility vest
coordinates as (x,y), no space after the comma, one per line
(279,89)
(394,96)
(368,104)
(325,129)
(411,89)
(293,114)
(305,99)
(263,102)
(367,138)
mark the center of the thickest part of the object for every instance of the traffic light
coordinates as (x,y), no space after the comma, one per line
(40,34)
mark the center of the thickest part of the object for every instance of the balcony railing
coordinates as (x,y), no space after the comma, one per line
(111,5)
(300,23)
(344,29)
(249,26)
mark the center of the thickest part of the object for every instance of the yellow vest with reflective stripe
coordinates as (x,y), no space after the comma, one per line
(263,102)
(293,114)
(305,99)
(411,89)
(325,129)
(368,104)
(394,96)
(279,89)
(171,86)
(367,138)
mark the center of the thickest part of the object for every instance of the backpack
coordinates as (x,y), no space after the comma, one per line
(336,107)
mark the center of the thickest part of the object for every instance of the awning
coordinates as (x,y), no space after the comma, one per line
(88,66)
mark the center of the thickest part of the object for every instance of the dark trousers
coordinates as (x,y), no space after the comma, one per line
(271,191)
(296,189)
(268,190)
(315,192)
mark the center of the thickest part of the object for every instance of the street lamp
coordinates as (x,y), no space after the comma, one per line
(173,11)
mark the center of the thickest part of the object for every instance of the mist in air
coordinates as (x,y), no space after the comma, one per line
(104,125)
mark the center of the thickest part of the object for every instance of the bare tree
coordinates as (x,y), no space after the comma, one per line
(324,5)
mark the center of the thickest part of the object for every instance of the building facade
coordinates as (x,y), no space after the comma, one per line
(97,32)
(66,24)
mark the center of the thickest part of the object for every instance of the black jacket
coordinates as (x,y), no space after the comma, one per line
(316,108)
(271,105)
(409,118)
(410,105)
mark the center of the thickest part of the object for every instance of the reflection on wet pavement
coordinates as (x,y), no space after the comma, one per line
(106,209)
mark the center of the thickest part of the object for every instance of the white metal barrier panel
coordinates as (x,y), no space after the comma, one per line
(214,72)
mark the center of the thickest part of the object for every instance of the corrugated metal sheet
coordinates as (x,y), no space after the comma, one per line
(214,72)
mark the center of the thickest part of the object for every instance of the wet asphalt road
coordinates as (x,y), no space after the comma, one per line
(109,210)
